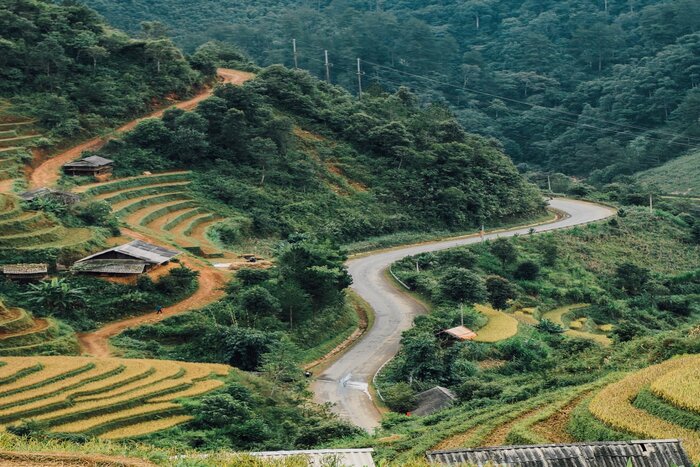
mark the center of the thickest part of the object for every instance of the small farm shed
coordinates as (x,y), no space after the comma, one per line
(44,192)
(459,333)
(650,453)
(26,271)
(93,165)
(323,457)
(433,400)
(131,258)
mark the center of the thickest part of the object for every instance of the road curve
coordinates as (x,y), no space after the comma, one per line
(345,382)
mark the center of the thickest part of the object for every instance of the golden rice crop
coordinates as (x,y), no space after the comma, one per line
(680,387)
(50,370)
(108,401)
(200,387)
(163,372)
(100,367)
(146,427)
(93,422)
(499,327)
(557,315)
(613,406)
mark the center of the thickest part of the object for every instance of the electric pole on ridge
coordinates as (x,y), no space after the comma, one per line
(328,67)
(359,78)
(294,49)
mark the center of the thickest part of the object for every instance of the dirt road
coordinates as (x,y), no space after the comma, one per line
(48,172)
(211,282)
(345,383)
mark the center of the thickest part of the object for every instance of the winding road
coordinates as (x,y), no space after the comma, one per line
(345,383)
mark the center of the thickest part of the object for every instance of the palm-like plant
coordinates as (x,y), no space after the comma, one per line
(55,295)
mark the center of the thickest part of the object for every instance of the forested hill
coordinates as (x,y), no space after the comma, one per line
(623,75)
(64,66)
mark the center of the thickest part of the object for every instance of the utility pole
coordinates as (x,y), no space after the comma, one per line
(651,204)
(461,313)
(549,183)
(359,78)
(294,48)
(328,67)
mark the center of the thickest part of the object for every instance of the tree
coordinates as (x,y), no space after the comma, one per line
(400,397)
(504,250)
(500,291)
(56,295)
(280,366)
(527,270)
(462,285)
(548,326)
(162,50)
(631,278)
(257,300)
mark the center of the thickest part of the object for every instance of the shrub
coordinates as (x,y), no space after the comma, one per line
(500,291)
(527,270)
(399,397)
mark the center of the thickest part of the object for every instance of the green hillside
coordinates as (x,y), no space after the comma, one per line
(677,177)
(580,87)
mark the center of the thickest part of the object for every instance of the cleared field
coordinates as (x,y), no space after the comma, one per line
(110,398)
(680,176)
(500,325)
(161,206)
(614,404)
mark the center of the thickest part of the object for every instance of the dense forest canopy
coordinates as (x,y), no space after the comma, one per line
(621,75)
(65,66)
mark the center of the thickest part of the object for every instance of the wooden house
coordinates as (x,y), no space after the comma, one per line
(130,259)
(90,166)
(26,271)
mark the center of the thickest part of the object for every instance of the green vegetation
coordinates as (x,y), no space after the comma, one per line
(86,302)
(608,70)
(61,65)
(286,153)
(679,176)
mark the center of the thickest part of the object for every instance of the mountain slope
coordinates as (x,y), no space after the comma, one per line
(678,177)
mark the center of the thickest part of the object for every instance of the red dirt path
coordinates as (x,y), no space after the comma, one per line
(48,173)
(211,282)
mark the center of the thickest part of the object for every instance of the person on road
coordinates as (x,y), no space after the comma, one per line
(159,310)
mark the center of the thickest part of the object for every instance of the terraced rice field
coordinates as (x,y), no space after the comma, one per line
(108,398)
(15,134)
(500,325)
(28,230)
(22,334)
(577,328)
(161,206)
(674,382)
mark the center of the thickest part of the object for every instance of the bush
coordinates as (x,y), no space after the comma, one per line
(500,291)
(400,397)
(462,285)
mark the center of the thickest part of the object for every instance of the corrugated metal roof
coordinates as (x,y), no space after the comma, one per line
(26,268)
(643,453)
(322,457)
(140,250)
(461,332)
(92,161)
(110,266)
(432,400)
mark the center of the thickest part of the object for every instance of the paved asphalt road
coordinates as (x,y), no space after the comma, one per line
(345,382)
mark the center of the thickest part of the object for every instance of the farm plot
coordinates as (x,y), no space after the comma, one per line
(579,327)
(21,334)
(673,380)
(15,134)
(500,325)
(161,206)
(34,231)
(108,398)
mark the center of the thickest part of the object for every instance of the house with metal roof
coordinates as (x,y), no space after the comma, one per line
(44,192)
(459,333)
(26,271)
(131,258)
(433,400)
(646,453)
(324,457)
(93,165)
